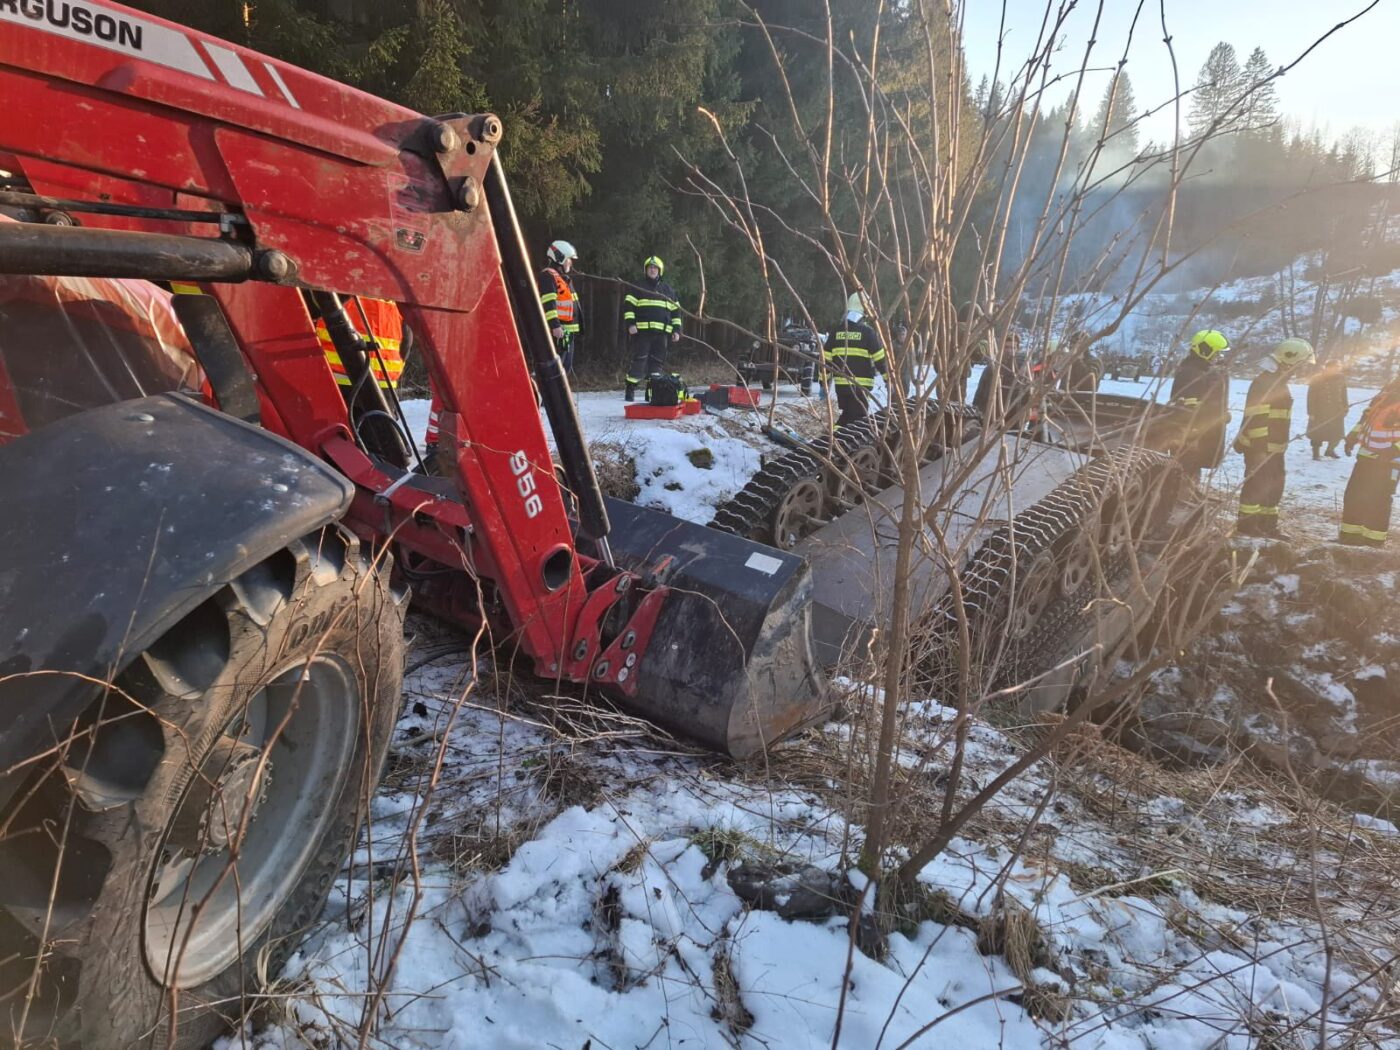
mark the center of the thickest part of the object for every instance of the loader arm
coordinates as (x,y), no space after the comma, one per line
(183,158)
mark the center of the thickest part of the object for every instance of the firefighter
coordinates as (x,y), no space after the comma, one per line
(562,309)
(652,317)
(1327,410)
(383,352)
(1263,437)
(1201,390)
(1376,439)
(853,356)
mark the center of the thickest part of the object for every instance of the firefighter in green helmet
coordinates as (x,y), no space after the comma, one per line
(1201,393)
(651,317)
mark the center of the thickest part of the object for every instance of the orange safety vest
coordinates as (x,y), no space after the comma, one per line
(1380,428)
(559,307)
(385,325)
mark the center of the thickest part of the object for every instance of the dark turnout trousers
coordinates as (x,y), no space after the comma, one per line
(648,355)
(1366,506)
(854,402)
(1261,493)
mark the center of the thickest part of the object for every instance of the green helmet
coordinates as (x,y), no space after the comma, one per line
(655,260)
(1206,343)
(1294,352)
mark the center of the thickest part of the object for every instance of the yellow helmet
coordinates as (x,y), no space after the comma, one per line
(1294,352)
(1206,343)
(655,260)
(856,302)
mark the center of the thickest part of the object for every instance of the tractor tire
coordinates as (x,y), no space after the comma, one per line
(261,719)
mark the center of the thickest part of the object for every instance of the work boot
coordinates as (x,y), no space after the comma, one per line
(1316,454)
(1332,453)
(631,394)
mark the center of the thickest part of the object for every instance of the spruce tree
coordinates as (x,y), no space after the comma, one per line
(1115,120)
(1217,87)
(1261,104)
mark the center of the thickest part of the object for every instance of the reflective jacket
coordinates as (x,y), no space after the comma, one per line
(1378,433)
(1268,415)
(854,354)
(652,307)
(561,305)
(385,324)
(1204,390)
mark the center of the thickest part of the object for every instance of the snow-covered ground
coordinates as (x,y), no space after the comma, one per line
(563,882)
(1255,312)
(572,892)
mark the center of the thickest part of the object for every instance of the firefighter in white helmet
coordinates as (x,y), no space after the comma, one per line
(562,309)
(854,356)
(1263,437)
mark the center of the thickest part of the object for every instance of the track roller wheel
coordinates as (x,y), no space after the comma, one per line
(858,474)
(798,513)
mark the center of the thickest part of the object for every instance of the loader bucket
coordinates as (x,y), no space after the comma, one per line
(730,661)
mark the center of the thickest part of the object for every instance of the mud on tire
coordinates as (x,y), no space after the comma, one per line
(261,718)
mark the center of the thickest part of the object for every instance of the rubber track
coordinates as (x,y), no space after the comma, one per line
(750,511)
(1084,500)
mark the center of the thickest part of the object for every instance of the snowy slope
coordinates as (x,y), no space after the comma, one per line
(563,882)
(1255,312)
(572,896)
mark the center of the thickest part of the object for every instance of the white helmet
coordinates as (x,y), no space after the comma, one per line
(1294,352)
(559,251)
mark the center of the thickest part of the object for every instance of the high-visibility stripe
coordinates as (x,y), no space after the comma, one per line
(1257,432)
(1361,530)
(1256,410)
(1280,413)
(1190,402)
(181,288)
(392,365)
(652,326)
(1257,508)
(849,351)
(855,381)
(664,304)
(380,341)
(1276,446)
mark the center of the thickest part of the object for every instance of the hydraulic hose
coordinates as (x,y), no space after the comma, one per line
(549,372)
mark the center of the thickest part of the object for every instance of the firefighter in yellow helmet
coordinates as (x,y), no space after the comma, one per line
(853,356)
(1201,393)
(1263,437)
(652,318)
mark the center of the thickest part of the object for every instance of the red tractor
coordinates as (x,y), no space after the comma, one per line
(205,571)
(214,523)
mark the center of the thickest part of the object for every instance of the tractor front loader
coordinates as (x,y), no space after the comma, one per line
(205,579)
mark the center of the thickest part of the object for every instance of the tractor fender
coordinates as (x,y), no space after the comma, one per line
(118,522)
